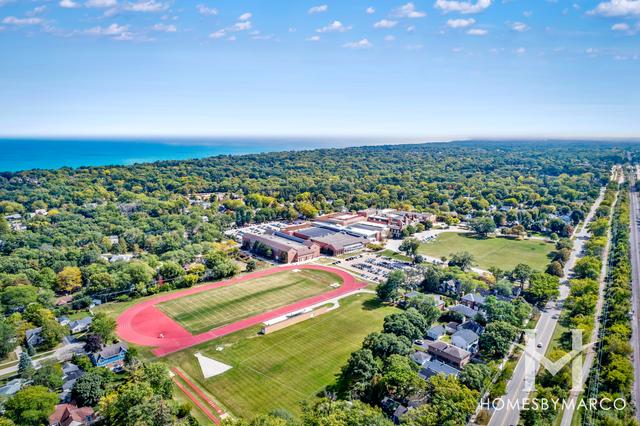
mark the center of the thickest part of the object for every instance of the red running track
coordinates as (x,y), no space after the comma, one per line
(143,324)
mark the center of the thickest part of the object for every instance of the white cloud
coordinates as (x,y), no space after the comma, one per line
(385,23)
(360,44)
(617,8)
(218,34)
(245,16)
(463,7)
(477,32)
(231,38)
(409,11)
(521,50)
(519,27)
(460,23)
(370,10)
(389,38)
(101,3)
(12,20)
(527,13)
(410,28)
(313,38)
(334,27)
(37,10)
(241,26)
(147,6)
(620,27)
(318,9)
(165,28)
(113,30)
(204,10)
(68,4)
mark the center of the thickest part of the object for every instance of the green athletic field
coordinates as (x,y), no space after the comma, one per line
(291,365)
(503,253)
(210,309)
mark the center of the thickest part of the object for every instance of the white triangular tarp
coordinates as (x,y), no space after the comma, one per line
(211,367)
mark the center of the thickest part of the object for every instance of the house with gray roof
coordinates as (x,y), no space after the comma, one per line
(464,310)
(78,326)
(433,367)
(111,356)
(451,354)
(33,337)
(11,387)
(465,339)
(472,325)
(420,357)
(435,332)
(473,300)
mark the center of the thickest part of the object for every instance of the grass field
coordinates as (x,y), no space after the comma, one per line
(501,252)
(210,309)
(288,366)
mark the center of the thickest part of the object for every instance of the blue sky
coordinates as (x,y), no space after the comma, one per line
(437,69)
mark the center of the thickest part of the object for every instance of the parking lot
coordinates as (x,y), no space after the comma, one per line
(372,266)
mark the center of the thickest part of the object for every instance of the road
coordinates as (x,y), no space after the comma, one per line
(510,414)
(63,353)
(635,282)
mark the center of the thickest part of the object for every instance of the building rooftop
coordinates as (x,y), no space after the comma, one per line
(467,335)
(281,243)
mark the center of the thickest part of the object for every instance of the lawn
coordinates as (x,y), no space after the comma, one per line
(503,253)
(288,366)
(223,305)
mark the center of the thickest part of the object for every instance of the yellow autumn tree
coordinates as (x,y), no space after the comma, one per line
(69,279)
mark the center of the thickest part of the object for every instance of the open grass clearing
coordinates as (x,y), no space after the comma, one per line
(504,253)
(288,366)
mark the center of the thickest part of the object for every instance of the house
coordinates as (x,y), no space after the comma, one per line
(70,373)
(33,337)
(80,325)
(11,387)
(64,320)
(113,239)
(451,327)
(435,332)
(420,357)
(465,311)
(473,326)
(473,300)
(111,356)
(431,368)
(449,287)
(465,339)
(71,415)
(453,355)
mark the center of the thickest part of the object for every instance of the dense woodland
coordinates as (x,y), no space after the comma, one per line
(72,221)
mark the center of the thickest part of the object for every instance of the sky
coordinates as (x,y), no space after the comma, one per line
(437,69)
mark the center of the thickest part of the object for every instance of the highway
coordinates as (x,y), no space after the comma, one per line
(635,282)
(510,414)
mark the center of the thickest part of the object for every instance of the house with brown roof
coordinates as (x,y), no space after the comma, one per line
(284,248)
(71,415)
(456,356)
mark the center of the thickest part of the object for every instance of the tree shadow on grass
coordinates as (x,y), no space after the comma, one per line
(372,304)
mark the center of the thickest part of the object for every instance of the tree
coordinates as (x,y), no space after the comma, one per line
(31,406)
(400,377)
(599,227)
(19,296)
(427,307)
(88,389)
(93,343)
(357,374)
(8,339)
(401,325)
(463,260)
(69,279)
(157,375)
(327,412)
(410,246)
(504,288)
(220,266)
(104,326)
(171,271)
(497,338)
(25,366)
(475,376)
(383,345)
(483,226)
(388,291)
(52,333)
(251,265)
(521,273)
(542,288)
(555,268)
(587,267)
(49,375)
(450,404)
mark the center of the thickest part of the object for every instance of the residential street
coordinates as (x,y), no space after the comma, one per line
(510,414)
(63,353)
(635,282)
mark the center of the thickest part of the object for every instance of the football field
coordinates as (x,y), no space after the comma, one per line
(207,310)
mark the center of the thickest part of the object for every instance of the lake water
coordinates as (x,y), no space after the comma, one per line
(23,154)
